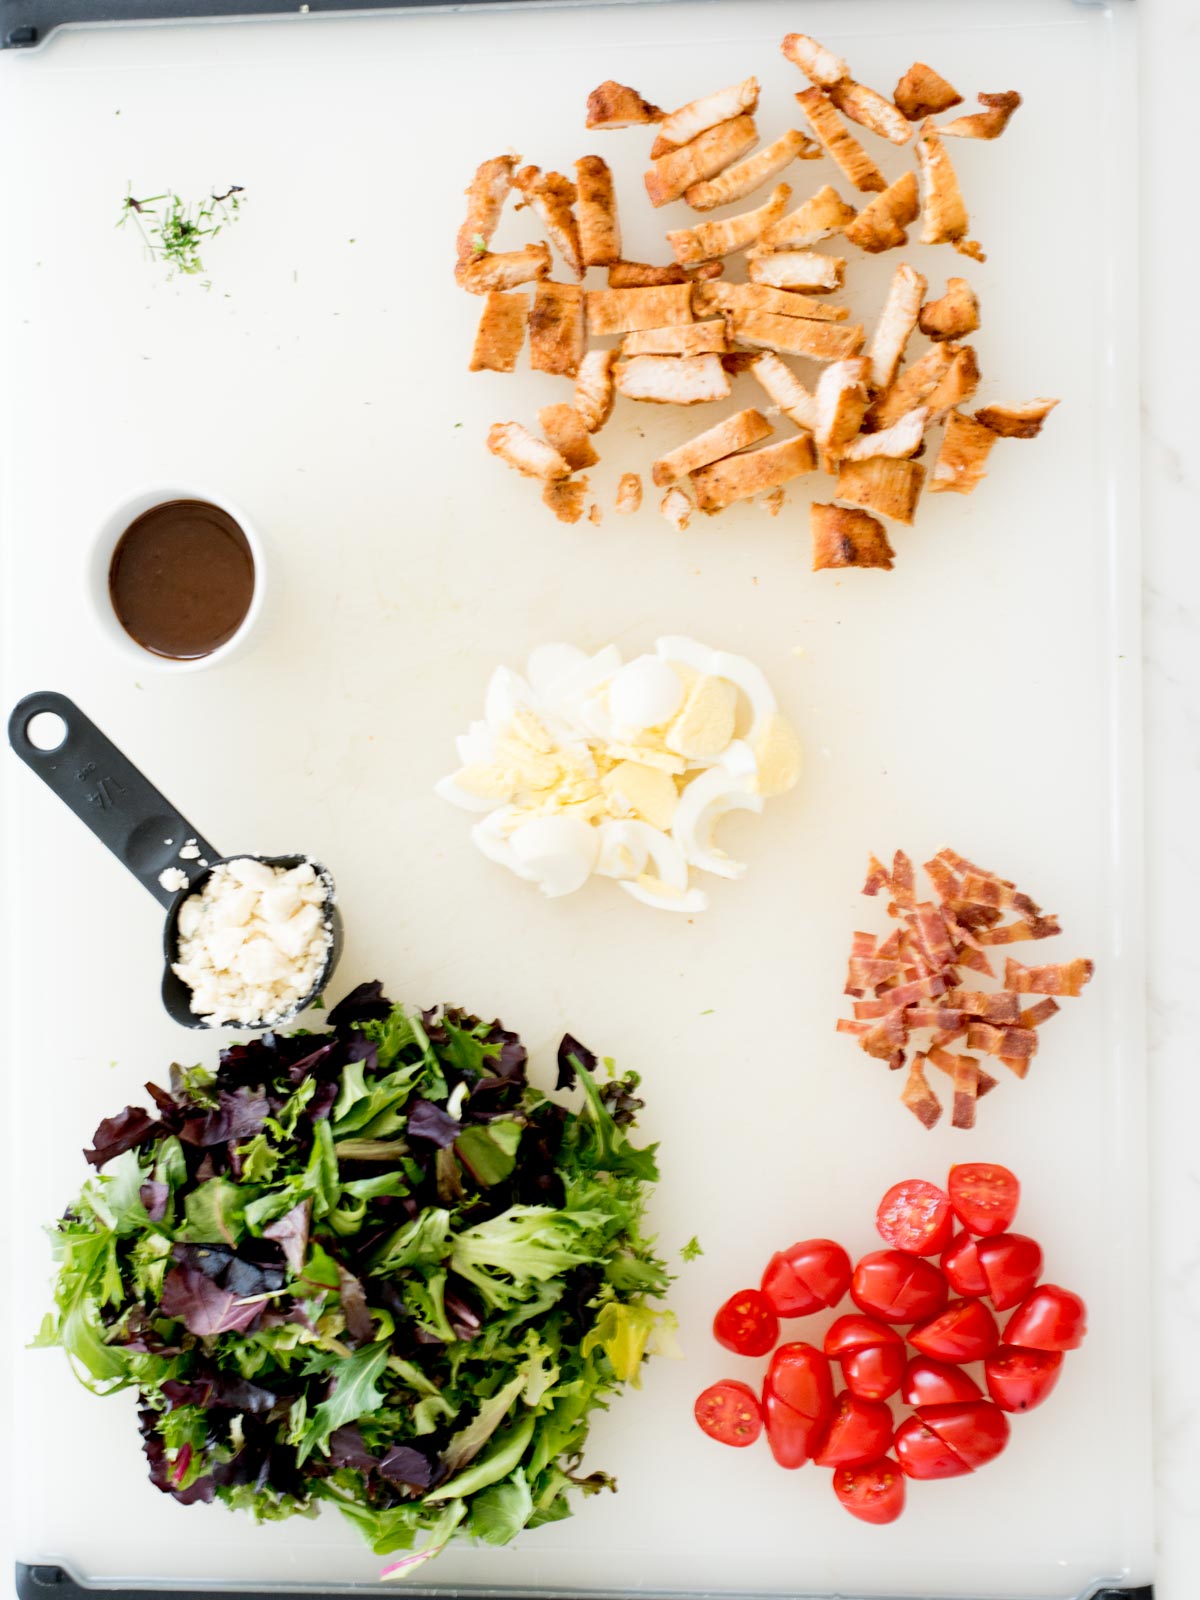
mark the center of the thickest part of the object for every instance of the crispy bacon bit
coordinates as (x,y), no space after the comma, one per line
(922,93)
(1062,978)
(903,881)
(987,124)
(896,322)
(677,509)
(594,389)
(883,484)
(553,197)
(1016,422)
(709,111)
(709,239)
(566,498)
(736,182)
(501,333)
(599,225)
(844,1025)
(842,537)
(1034,1016)
(877,878)
(743,476)
(962,458)
(839,142)
(946,219)
(882,224)
(953,316)
(796,336)
(735,433)
(890,948)
(1003,1006)
(531,456)
(822,215)
(817,64)
(1018,932)
(918,989)
(918,1096)
(887,1037)
(870,110)
(674,173)
(556,332)
(616,105)
(985,889)
(868,972)
(862,944)
(1001,1041)
(629,494)
(486,194)
(729,297)
(937,1017)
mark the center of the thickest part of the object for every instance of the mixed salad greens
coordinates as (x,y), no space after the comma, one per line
(371,1266)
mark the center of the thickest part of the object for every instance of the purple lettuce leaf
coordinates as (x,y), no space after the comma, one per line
(569,1047)
(204,1306)
(154,1197)
(359,1324)
(364,1004)
(347,1448)
(128,1129)
(290,1233)
(429,1121)
(238,1116)
(409,1467)
(218,1391)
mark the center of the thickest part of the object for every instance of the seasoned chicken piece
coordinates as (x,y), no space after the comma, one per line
(594,391)
(883,224)
(599,225)
(531,456)
(552,197)
(677,509)
(888,486)
(945,213)
(703,158)
(842,400)
(708,297)
(870,110)
(903,438)
(631,310)
(689,339)
(896,323)
(640,275)
(819,66)
(690,121)
(962,459)
(566,498)
(735,433)
(786,390)
(796,336)
(616,105)
(486,194)
(673,380)
(922,93)
(709,239)
(912,388)
(798,269)
(629,494)
(501,333)
(840,144)
(556,331)
(987,124)
(568,433)
(738,181)
(823,214)
(507,270)
(742,477)
(953,316)
(1016,422)
(845,538)
(958,383)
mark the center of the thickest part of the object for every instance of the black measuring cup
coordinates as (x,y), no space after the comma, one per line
(145,832)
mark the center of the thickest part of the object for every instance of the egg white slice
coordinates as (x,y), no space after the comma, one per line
(507,693)
(447,789)
(622,854)
(686,900)
(559,853)
(701,806)
(752,682)
(491,839)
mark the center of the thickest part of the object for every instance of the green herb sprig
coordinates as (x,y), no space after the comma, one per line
(175,231)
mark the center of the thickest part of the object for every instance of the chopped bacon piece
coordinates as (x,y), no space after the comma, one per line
(961,865)
(984,889)
(1018,932)
(939,1018)
(943,878)
(862,944)
(1036,1015)
(1003,1006)
(1019,1065)
(918,1096)
(987,124)
(1001,1041)
(844,1025)
(877,877)
(945,1036)
(974,958)
(887,1038)
(922,92)
(903,880)
(890,948)
(872,1010)
(907,994)
(931,930)
(1060,978)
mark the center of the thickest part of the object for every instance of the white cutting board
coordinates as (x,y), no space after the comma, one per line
(983,695)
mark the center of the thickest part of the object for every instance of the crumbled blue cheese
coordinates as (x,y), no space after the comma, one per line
(253,941)
(173,879)
(189,851)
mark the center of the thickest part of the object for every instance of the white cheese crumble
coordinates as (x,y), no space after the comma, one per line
(189,851)
(173,879)
(253,941)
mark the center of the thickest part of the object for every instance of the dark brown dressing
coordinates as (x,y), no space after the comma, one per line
(181,579)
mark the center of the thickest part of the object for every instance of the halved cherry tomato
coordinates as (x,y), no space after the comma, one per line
(1012,1264)
(747,1324)
(797,1402)
(872,1356)
(861,1430)
(809,1276)
(975,1430)
(872,1493)
(1049,1319)
(933,1383)
(915,1216)
(729,1412)
(897,1288)
(923,1455)
(984,1196)
(962,1266)
(965,1331)
(1018,1380)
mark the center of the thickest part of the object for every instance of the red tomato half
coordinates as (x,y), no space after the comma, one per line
(965,1331)
(975,1430)
(962,1266)
(933,1383)
(897,1288)
(872,1493)
(923,1455)
(1049,1319)
(1012,1265)
(747,1324)
(861,1430)
(810,1276)
(872,1356)
(1018,1380)
(984,1196)
(915,1216)
(729,1412)
(797,1402)
(859,1333)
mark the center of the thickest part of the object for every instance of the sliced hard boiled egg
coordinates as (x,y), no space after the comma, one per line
(623,852)
(652,891)
(645,693)
(705,725)
(507,693)
(701,806)
(466,799)
(647,791)
(491,838)
(688,652)
(778,755)
(477,744)
(751,680)
(559,852)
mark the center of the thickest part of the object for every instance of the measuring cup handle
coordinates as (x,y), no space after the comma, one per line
(108,793)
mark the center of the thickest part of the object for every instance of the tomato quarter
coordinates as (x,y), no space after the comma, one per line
(1049,1319)
(897,1288)
(933,1383)
(797,1402)
(729,1412)
(984,1197)
(965,1331)
(1018,1380)
(962,1266)
(1012,1264)
(747,1324)
(871,1354)
(923,1455)
(860,1431)
(915,1216)
(873,1493)
(975,1430)
(810,1276)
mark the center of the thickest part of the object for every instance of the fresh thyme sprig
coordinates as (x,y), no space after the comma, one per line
(175,231)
